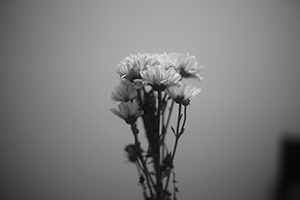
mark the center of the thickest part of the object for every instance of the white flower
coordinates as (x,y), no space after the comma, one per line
(124,91)
(130,67)
(188,67)
(168,60)
(142,60)
(128,70)
(159,77)
(129,111)
(183,93)
(185,65)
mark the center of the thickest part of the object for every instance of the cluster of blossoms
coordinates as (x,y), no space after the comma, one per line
(148,82)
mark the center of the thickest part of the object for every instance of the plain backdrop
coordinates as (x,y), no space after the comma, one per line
(59,139)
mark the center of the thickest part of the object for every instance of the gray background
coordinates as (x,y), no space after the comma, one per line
(60,141)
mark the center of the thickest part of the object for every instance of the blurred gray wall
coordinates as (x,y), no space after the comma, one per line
(60,141)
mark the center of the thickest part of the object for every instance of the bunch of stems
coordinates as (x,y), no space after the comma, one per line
(155,165)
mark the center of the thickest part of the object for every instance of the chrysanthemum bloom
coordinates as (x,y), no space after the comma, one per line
(183,93)
(168,59)
(159,77)
(129,111)
(188,67)
(124,91)
(142,60)
(185,65)
(127,70)
(130,67)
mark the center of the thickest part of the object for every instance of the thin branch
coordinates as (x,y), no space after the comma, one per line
(140,157)
(157,150)
(168,121)
(184,120)
(178,118)
(138,166)
(176,143)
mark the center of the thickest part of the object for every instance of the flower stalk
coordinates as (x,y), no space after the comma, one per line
(177,135)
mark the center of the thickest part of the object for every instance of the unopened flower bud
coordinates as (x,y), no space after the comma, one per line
(131,152)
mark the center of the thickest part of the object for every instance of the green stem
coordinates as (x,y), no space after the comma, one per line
(168,121)
(140,157)
(169,117)
(157,150)
(176,143)
(163,113)
(146,173)
(184,120)
(178,118)
(137,164)
(164,132)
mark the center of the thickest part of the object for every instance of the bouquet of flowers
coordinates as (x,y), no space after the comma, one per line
(149,86)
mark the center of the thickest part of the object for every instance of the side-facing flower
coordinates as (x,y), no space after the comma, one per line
(185,65)
(129,111)
(183,93)
(128,70)
(159,77)
(188,67)
(124,91)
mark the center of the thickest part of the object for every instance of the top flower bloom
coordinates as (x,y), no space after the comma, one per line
(168,60)
(183,93)
(130,67)
(185,65)
(129,111)
(159,77)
